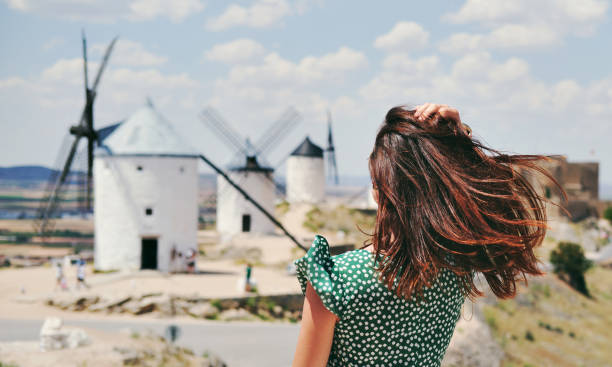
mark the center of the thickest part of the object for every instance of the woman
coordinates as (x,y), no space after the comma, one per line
(446,210)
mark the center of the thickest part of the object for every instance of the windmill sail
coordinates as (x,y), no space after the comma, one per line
(332,167)
(83,129)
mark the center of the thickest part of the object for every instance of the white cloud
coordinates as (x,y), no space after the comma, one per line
(403,37)
(566,93)
(471,66)
(237,51)
(462,42)
(110,11)
(345,59)
(523,23)
(276,71)
(498,12)
(173,9)
(512,69)
(129,53)
(66,71)
(520,35)
(510,36)
(58,86)
(261,14)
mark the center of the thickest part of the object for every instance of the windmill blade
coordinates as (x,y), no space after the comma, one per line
(333,167)
(330,140)
(221,128)
(107,54)
(53,177)
(90,94)
(331,150)
(279,129)
(85,63)
(52,202)
(90,158)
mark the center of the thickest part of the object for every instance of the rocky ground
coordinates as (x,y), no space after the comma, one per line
(473,344)
(267,308)
(106,349)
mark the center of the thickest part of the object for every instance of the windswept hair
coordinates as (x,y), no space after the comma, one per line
(444,203)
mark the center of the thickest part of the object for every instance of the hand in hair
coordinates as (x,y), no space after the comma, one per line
(424,111)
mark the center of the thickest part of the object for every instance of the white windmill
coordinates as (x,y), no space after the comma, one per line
(236,214)
(146,194)
(306,174)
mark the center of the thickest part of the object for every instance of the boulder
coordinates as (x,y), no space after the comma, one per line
(277,311)
(82,303)
(53,336)
(77,338)
(181,306)
(162,303)
(205,310)
(229,304)
(236,314)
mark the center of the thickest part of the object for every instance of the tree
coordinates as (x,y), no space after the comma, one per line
(608,214)
(570,264)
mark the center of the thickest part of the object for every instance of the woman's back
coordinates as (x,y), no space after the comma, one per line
(448,207)
(376,327)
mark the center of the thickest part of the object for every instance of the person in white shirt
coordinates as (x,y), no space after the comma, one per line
(81,274)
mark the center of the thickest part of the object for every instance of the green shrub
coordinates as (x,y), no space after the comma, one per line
(529,336)
(570,264)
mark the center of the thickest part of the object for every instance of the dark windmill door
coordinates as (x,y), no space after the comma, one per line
(148,253)
(246,223)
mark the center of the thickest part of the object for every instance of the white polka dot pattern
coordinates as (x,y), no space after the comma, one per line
(377,328)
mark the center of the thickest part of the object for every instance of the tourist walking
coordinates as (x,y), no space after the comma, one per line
(60,280)
(191,260)
(81,275)
(448,207)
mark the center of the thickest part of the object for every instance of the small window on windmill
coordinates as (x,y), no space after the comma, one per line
(182,169)
(149,211)
(139,168)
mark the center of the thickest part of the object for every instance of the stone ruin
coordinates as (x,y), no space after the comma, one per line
(54,336)
(580,180)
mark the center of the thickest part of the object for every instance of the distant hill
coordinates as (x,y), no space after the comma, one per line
(19,173)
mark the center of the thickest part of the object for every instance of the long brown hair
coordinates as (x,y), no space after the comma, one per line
(444,203)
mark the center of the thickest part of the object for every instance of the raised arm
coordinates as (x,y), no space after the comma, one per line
(316,333)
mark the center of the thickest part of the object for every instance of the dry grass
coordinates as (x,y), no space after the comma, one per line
(340,218)
(566,328)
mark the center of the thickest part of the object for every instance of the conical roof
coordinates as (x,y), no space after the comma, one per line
(146,132)
(308,149)
(251,165)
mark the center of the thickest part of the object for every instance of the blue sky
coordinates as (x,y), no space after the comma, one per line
(528,76)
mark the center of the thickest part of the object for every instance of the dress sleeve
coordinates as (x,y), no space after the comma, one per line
(318,267)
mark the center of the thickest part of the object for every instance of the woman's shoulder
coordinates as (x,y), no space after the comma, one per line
(351,257)
(319,252)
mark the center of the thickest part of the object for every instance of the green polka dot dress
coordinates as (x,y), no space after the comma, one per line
(375,327)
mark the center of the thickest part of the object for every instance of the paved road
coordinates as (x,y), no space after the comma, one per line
(240,344)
